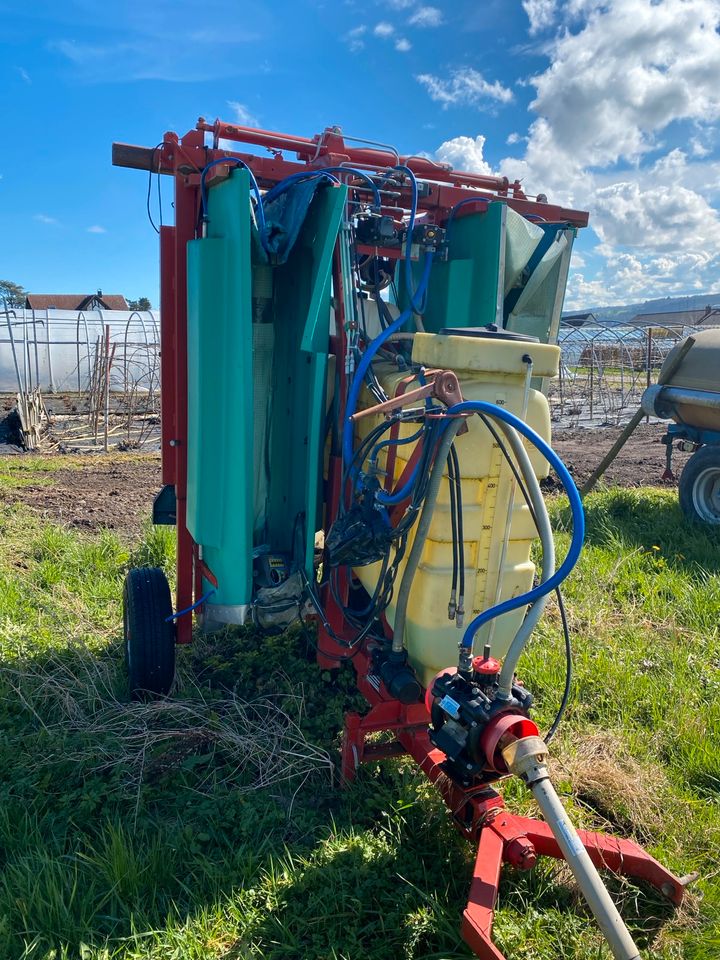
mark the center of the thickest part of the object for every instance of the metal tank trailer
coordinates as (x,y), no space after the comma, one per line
(355,347)
(688,392)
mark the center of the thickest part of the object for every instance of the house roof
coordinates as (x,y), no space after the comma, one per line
(578,319)
(76,301)
(685,317)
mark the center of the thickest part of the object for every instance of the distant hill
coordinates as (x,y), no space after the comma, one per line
(625,313)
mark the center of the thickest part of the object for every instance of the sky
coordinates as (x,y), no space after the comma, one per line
(610,107)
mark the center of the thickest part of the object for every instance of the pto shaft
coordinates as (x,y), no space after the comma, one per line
(526,758)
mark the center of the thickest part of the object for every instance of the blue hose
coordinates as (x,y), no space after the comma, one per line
(396,442)
(193,606)
(457,206)
(322,172)
(253,184)
(366,359)
(576,507)
(397,496)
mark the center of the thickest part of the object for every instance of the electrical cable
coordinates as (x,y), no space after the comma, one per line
(452,604)
(149,189)
(395,442)
(461,537)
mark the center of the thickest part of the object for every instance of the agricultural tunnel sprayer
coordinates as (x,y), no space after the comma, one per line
(355,349)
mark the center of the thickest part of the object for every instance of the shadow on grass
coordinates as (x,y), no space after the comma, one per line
(299,869)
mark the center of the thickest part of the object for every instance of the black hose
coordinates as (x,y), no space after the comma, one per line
(454,526)
(459,502)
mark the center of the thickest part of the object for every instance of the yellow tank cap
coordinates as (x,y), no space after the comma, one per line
(487,354)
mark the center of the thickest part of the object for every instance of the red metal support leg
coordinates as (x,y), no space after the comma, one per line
(480,910)
(611,853)
(185,217)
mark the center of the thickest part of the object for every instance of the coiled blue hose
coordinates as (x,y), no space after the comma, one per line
(576,507)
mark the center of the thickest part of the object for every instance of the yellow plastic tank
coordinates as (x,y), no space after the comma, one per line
(491,369)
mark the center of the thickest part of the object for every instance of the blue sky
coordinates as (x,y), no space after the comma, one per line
(609,106)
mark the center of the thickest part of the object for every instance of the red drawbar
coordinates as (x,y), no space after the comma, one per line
(479,811)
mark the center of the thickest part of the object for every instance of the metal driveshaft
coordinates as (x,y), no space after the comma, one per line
(526,758)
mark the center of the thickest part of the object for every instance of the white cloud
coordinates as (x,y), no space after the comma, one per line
(634,68)
(514,138)
(243,116)
(44,218)
(24,75)
(95,228)
(403,45)
(426,17)
(355,38)
(464,153)
(699,149)
(384,29)
(399,4)
(541,13)
(625,80)
(465,87)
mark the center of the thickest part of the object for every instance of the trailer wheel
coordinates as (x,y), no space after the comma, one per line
(149,635)
(699,486)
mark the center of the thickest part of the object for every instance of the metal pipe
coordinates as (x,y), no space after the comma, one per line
(657,400)
(312,149)
(588,879)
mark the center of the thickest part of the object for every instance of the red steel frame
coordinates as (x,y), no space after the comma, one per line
(478,812)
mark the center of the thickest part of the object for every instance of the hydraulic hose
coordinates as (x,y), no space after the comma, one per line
(327,172)
(259,212)
(397,496)
(366,359)
(421,532)
(500,414)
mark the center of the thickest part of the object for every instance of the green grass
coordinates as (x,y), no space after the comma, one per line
(114,847)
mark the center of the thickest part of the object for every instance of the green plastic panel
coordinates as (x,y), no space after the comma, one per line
(466,289)
(220,391)
(302,320)
(254,468)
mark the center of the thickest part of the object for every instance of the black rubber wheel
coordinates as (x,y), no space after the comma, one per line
(699,486)
(149,636)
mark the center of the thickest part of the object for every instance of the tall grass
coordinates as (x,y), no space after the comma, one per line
(179,858)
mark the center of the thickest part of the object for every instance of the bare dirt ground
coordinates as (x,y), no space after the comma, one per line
(116,491)
(640,463)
